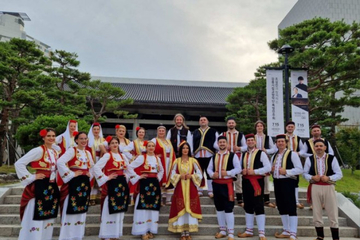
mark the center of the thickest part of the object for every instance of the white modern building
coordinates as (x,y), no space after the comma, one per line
(12,26)
(335,10)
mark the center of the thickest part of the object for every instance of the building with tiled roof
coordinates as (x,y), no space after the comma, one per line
(157,101)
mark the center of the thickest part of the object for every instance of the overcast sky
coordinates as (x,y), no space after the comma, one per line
(209,40)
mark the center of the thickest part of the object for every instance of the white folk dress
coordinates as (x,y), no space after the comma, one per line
(111,225)
(145,220)
(32,229)
(72,225)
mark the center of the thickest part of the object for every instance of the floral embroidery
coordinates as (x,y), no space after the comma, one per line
(48,197)
(68,224)
(100,177)
(24,177)
(119,194)
(49,225)
(110,222)
(81,193)
(150,191)
(79,223)
(34,229)
(65,174)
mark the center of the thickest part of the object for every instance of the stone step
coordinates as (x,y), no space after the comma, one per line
(204,230)
(206,209)
(16,199)
(207,219)
(172,236)
(19,191)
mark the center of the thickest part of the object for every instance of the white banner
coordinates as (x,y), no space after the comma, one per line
(300,103)
(275,102)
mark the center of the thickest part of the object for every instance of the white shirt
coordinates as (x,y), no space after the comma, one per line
(321,165)
(290,173)
(230,174)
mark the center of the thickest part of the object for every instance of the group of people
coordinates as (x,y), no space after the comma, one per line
(75,169)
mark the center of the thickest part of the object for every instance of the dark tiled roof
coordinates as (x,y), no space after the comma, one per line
(175,94)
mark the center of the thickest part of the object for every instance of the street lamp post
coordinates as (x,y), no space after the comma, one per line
(286,50)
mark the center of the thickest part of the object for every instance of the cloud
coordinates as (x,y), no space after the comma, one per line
(212,40)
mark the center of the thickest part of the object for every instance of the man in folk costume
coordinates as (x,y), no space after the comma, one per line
(255,165)
(179,133)
(96,139)
(66,139)
(237,145)
(266,144)
(223,168)
(322,170)
(165,151)
(309,149)
(294,144)
(205,145)
(286,165)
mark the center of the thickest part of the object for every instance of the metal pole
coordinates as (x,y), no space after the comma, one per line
(287,102)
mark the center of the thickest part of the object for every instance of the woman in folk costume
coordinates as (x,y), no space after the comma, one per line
(41,197)
(76,169)
(66,139)
(148,194)
(164,150)
(186,177)
(132,151)
(120,131)
(96,138)
(111,174)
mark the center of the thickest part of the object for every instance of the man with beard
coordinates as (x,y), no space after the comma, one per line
(223,168)
(255,165)
(294,144)
(286,165)
(204,146)
(308,149)
(180,132)
(237,145)
(322,170)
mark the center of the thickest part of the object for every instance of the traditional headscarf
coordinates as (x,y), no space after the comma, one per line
(91,136)
(66,134)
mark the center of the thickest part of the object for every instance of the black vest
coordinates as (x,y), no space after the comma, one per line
(174,133)
(229,166)
(328,166)
(309,151)
(257,161)
(240,136)
(289,163)
(298,143)
(209,139)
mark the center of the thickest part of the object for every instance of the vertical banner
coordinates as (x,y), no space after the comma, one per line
(300,103)
(275,102)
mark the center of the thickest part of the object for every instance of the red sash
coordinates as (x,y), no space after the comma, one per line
(308,194)
(229,184)
(254,182)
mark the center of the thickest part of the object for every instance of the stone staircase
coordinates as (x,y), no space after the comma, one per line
(10,220)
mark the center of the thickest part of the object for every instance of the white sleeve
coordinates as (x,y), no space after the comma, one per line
(131,168)
(160,174)
(128,149)
(266,165)
(307,166)
(330,150)
(65,173)
(237,168)
(100,177)
(298,169)
(272,147)
(337,171)
(189,139)
(168,135)
(243,144)
(91,170)
(210,168)
(23,174)
(215,145)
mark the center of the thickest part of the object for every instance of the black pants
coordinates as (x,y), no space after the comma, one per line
(221,198)
(251,203)
(204,163)
(285,196)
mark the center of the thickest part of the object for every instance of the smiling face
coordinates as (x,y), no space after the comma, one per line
(316,132)
(251,143)
(320,148)
(290,128)
(72,128)
(203,122)
(185,150)
(114,145)
(141,133)
(231,124)
(222,144)
(49,139)
(96,131)
(281,144)
(81,140)
(259,128)
(179,121)
(161,132)
(150,148)
(120,132)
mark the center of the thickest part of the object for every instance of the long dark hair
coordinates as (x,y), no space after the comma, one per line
(181,148)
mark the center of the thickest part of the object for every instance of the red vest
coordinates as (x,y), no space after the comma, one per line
(76,163)
(43,162)
(113,165)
